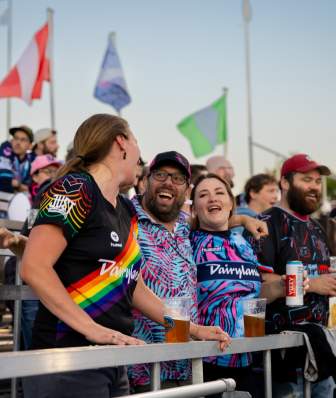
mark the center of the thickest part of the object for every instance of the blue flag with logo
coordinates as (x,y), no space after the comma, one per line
(111,86)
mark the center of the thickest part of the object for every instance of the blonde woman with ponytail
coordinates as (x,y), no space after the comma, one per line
(83,260)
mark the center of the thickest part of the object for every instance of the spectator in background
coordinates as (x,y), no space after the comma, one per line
(43,171)
(45,141)
(15,160)
(140,184)
(222,167)
(261,192)
(196,171)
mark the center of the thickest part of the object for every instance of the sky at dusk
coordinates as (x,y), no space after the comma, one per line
(177,56)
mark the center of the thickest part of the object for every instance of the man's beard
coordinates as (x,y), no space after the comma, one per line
(298,202)
(166,214)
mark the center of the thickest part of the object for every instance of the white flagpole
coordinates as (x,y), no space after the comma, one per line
(113,38)
(226,143)
(50,55)
(9,62)
(247,18)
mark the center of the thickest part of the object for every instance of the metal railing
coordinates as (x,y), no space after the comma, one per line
(19,363)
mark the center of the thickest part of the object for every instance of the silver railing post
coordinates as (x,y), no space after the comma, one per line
(267,373)
(155,376)
(197,370)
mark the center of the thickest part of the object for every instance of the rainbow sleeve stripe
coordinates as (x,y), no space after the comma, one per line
(74,203)
(97,293)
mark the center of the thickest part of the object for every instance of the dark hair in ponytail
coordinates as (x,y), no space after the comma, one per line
(93,141)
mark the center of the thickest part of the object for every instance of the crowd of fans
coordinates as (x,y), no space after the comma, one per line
(113,236)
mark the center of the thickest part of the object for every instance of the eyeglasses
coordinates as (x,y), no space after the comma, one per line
(177,178)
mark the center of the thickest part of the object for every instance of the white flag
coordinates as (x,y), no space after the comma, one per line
(4,17)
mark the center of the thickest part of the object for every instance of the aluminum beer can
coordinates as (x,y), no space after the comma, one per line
(294,283)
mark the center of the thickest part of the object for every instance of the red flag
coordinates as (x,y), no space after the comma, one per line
(25,79)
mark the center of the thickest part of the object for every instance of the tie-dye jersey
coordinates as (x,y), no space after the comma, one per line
(227,272)
(101,263)
(168,270)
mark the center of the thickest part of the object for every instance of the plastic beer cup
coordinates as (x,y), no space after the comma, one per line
(254,317)
(177,319)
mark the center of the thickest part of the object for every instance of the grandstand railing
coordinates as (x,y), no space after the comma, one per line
(40,362)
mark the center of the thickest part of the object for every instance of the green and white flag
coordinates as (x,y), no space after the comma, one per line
(206,128)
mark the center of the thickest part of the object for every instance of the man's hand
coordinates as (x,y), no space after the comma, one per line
(200,332)
(324,284)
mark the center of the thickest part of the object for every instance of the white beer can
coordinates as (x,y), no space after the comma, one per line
(294,283)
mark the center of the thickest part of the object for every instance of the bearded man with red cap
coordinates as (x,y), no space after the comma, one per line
(295,235)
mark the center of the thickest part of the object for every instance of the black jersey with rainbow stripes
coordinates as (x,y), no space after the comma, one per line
(100,265)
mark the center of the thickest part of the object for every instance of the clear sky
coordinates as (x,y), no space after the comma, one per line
(177,55)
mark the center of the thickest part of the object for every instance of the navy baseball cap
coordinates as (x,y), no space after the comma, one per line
(171,157)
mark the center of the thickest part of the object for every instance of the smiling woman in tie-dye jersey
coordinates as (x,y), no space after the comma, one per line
(227,271)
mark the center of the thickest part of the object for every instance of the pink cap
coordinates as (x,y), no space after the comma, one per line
(43,161)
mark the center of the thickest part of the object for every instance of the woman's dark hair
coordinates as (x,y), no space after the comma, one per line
(256,184)
(194,220)
(93,141)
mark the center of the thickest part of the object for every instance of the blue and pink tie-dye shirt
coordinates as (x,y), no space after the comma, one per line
(168,269)
(227,272)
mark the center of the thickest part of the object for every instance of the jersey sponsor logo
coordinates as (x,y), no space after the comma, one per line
(229,270)
(111,267)
(115,239)
(71,186)
(212,249)
(61,204)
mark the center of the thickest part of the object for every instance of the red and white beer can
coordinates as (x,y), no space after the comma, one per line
(294,283)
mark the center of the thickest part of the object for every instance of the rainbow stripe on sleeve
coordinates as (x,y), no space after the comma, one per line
(67,200)
(98,291)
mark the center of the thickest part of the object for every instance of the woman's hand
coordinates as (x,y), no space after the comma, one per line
(101,335)
(199,332)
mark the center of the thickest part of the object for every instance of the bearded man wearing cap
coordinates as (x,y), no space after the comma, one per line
(168,268)
(294,235)
(45,141)
(15,160)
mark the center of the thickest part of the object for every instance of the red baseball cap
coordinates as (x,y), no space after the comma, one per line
(302,163)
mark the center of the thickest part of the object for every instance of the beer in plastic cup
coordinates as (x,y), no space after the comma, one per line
(177,319)
(254,317)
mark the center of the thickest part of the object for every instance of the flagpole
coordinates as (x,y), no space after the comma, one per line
(113,38)
(226,143)
(9,63)
(50,54)
(247,19)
